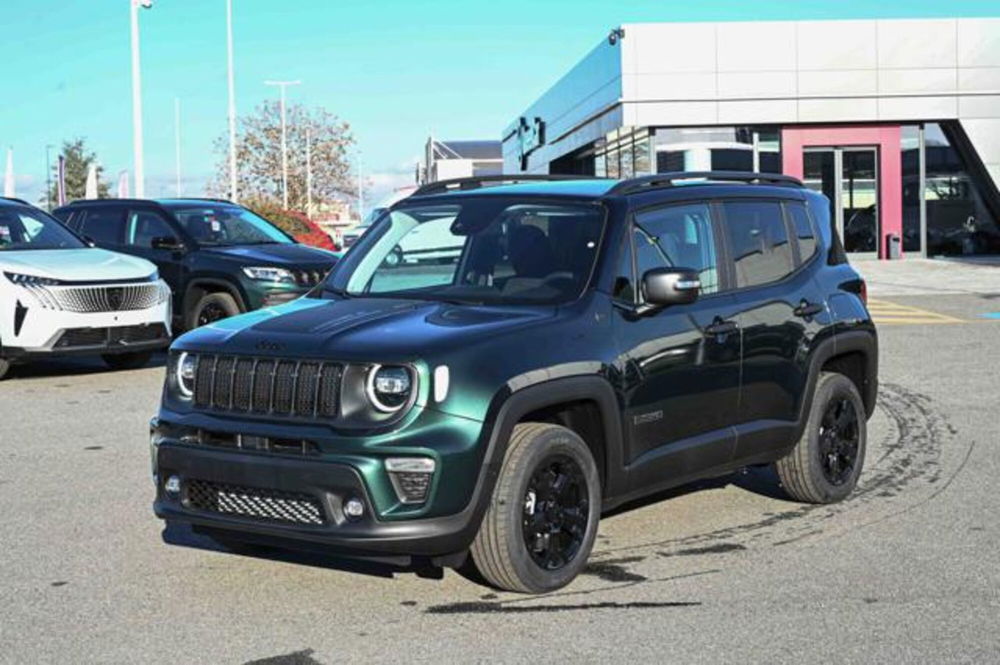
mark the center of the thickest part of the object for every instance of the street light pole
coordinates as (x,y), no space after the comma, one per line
(284,140)
(309,174)
(48,177)
(140,174)
(361,190)
(177,141)
(233,194)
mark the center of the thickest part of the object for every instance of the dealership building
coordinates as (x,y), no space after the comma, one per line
(896,121)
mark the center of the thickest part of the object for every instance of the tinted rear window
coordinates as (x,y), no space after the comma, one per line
(758,241)
(105,226)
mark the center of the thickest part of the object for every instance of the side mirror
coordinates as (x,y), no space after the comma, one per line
(166,242)
(663,287)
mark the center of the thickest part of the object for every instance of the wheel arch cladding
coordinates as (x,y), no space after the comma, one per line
(198,288)
(587,405)
(854,354)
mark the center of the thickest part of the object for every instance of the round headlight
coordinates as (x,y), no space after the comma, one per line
(186,365)
(389,387)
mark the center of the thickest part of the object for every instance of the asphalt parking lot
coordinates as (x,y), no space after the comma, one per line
(908,570)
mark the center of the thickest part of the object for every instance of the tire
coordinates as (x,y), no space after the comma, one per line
(825,464)
(4,368)
(211,308)
(133,360)
(500,552)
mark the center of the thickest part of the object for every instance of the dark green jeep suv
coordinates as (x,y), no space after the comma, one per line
(546,350)
(219,258)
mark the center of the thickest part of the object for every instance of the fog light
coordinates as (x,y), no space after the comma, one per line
(172,486)
(411,477)
(354,508)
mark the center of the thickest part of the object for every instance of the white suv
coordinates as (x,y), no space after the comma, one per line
(59,296)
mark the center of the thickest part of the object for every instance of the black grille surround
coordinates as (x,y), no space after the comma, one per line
(111,337)
(307,389)
(254,503)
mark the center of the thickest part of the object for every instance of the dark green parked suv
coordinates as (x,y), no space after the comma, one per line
(219,259)
(586,342)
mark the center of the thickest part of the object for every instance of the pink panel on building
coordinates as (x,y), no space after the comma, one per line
(886,137)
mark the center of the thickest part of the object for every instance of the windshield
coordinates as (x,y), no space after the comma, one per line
(25,228)
(227,225)
(482,250)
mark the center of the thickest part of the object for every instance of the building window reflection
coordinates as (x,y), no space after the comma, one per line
(958,222)
(910,146)
(718,149)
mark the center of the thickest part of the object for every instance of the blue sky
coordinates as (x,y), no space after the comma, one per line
(397,70)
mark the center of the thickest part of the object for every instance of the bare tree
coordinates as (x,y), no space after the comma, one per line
(258,156)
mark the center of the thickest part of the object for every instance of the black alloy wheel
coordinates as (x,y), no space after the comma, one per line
(211,313)
(542,520)
(556,512)
(826,462)
(839,437)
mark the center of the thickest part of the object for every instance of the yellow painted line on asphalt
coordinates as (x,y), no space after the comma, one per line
(889,313)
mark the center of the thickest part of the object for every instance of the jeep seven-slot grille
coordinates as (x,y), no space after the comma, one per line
(254,503)
(306,389)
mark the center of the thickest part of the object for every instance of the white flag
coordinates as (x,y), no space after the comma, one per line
(123,185)
(90,192)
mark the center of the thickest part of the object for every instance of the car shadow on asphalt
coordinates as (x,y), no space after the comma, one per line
(71,366)
(761,480)
(182,535)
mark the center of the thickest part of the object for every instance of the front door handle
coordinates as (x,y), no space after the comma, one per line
(720,327)
(807,309)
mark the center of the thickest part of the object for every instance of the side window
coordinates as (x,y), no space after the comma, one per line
(145,225)
(32,227)
(759,241)
(103,225)
(678,237)
(803,230)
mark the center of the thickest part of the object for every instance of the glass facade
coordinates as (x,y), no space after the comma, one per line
(911,164)
(746,148)
(944,204)
(958,221)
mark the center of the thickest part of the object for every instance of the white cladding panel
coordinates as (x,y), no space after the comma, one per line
(676,74)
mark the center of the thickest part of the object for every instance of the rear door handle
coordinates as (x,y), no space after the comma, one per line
(807,309)
(720,327)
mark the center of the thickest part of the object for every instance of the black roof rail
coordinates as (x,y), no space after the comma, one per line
(194,198)
(79,202)
(663,180)
(475,182)
(125,201)
(15,200)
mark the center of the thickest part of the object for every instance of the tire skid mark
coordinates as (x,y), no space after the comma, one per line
(909,460)
(904,473)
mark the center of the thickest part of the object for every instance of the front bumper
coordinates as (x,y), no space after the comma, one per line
(330,484)
(264,496)
(43,331)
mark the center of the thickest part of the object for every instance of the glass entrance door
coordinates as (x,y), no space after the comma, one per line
(849,178)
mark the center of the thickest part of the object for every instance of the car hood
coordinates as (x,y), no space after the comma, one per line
(76,265)
(292,255)
(370,329)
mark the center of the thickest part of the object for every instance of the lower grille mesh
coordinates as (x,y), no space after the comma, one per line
(121,335)
(254,503)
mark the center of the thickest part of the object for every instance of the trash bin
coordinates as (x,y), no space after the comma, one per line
(895,246)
